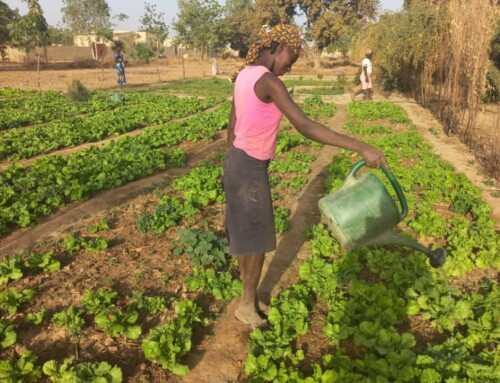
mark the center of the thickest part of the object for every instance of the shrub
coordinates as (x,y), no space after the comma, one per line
(77,91)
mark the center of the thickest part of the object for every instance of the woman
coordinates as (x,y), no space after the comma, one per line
(120,65)
(260,98)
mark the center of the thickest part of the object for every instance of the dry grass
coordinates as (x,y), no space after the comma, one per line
(462,64)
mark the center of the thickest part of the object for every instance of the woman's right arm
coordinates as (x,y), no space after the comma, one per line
(270,86)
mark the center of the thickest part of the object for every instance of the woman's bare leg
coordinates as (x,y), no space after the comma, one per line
(250,271)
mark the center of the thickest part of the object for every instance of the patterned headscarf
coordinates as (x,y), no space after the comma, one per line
(281,33)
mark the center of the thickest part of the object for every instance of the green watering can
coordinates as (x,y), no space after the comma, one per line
(363,213)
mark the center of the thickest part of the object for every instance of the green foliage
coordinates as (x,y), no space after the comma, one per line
(203,248)
(20,370)
(153,23)
(240,16)
(167,343)
(60,36)
(321,91)
(493,81)
(71,320)
(143,52)
(100,226)
(101,300)
(296,183)
(36,318)
(66,372)
(401,54)
(168,213)
(76,243)
(330,22)
(7,15)
(87,17)
(14,267)
(295,162)
(153,305)
(11,299)
(377,110)
(76,91)
(44,262)
(220,284)
(202,185)
(315,108)
(10,269)
(31,30)
(117,323)
(212,86)
(8,334)
(200,25)
(281,219)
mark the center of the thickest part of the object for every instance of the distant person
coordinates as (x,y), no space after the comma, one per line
(215,67)
(365,77)
(120,63)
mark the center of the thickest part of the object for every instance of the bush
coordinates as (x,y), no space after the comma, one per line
(77,91)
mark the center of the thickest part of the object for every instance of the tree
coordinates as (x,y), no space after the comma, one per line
(7,16)
(30,32)
(60,35)
(329,22)
(87,17)
(240,17)
(201,24)
(273,12)
(153,22)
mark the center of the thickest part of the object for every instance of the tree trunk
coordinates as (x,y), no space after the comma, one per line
(38,72)
(158,57)
(183,67)
(317,58)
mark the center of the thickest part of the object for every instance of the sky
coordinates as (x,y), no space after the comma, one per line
(135,9)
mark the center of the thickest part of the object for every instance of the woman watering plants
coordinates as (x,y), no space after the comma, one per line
(260,98)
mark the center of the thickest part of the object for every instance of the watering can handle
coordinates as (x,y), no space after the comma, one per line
(394,182)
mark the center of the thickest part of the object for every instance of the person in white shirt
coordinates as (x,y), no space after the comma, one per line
(215,67)
(365,77)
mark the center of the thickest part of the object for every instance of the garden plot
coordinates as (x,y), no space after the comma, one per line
(140,282)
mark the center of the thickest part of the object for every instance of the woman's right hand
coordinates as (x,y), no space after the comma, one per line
(373,157)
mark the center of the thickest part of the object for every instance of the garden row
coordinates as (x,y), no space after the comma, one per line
(382,314)
(104,313)
(134,113)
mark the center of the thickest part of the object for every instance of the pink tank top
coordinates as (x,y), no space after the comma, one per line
(257,122)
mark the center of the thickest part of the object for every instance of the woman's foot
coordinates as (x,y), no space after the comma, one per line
(249,316)
(262,308)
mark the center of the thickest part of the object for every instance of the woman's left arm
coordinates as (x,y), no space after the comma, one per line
(231,125)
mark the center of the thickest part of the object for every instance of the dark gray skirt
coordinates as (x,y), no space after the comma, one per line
(249,208)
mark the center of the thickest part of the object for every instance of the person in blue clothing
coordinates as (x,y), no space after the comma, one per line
(120,63)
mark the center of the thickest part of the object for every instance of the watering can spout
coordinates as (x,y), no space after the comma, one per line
(436,257)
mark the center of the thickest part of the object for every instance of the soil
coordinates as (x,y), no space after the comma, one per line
(144,262)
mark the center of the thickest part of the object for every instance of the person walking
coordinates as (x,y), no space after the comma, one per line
(365,77)
(260,99)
